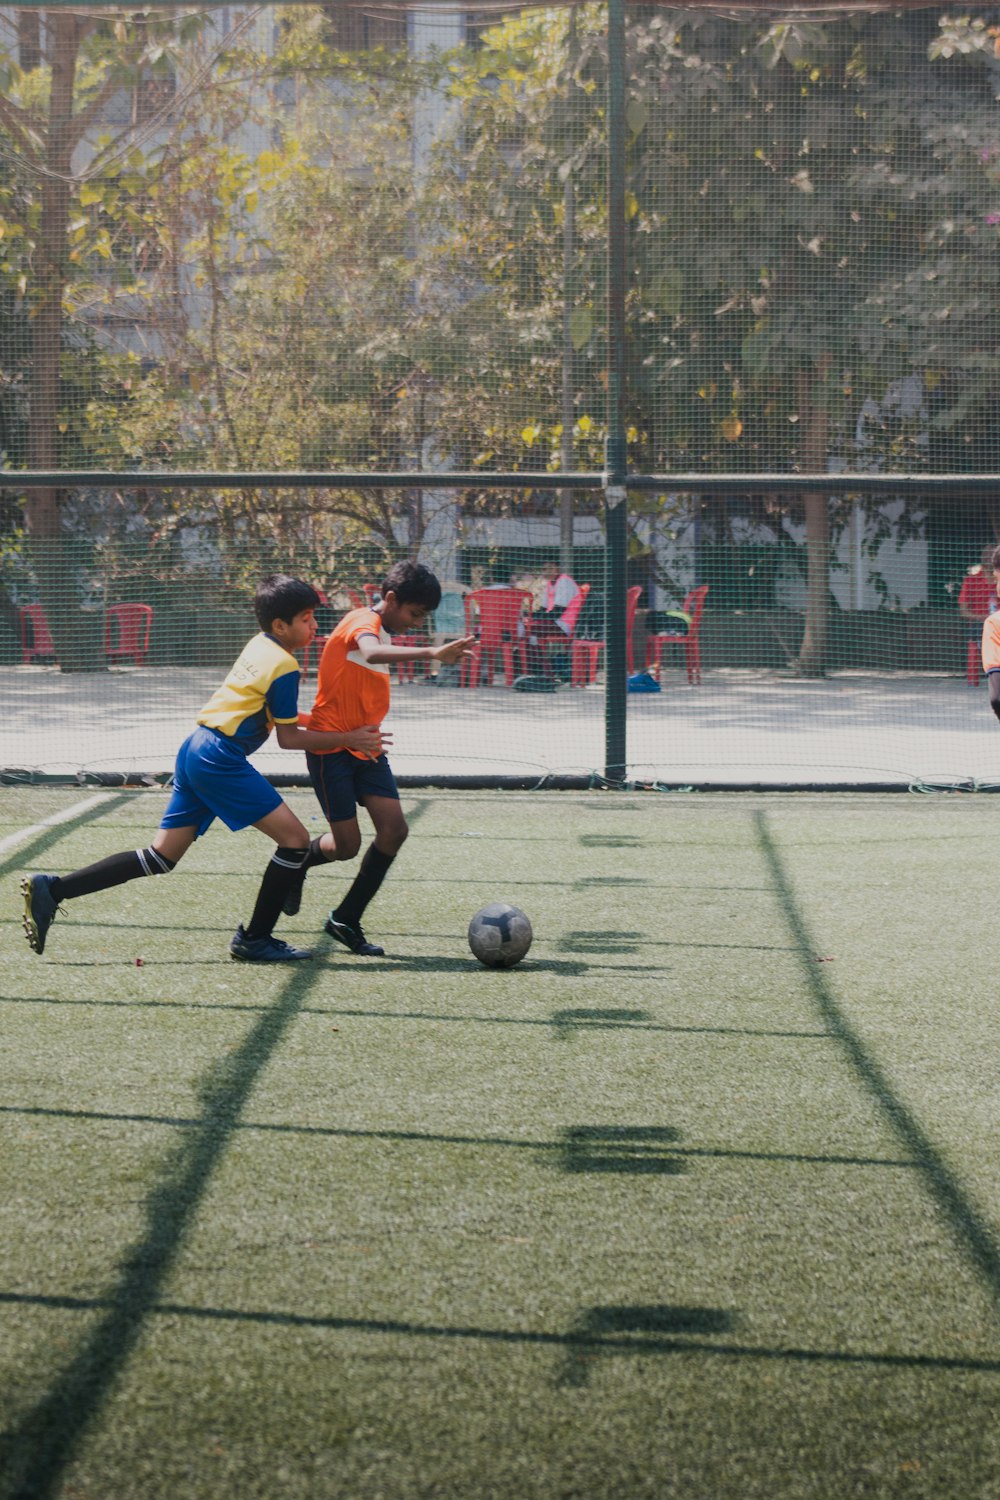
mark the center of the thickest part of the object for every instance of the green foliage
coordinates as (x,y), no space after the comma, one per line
(811,219)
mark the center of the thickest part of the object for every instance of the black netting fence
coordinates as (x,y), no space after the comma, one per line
(377,245)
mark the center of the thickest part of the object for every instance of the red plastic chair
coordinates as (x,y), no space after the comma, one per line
(693,606)
(35,637)
(126,632)
(495,617)
(586,654)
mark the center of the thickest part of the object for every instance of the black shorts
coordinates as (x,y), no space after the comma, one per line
(341,780)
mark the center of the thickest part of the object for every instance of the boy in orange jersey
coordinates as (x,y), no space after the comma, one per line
(991,641)
(353,691)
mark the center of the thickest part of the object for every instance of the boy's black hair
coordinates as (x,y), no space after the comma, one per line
(995,559)
(279,597)
(412,583)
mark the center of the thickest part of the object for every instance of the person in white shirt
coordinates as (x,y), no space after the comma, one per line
(546,624)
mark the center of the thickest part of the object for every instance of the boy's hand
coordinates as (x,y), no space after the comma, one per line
(453,651)
(369,740)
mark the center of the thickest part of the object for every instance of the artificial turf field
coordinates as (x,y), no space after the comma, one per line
(701,1201)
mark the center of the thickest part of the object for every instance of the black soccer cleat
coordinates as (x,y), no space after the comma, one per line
(353,938)
(265,950)
(40,907)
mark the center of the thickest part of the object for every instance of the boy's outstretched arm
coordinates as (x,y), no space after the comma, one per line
(369,740)
(372,650)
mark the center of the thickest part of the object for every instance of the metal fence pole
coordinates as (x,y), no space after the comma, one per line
(615,454)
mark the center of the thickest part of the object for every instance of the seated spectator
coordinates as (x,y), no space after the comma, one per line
(546,624)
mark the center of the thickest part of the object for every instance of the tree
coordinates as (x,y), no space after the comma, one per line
(69,198)
(807,237)
(806,233)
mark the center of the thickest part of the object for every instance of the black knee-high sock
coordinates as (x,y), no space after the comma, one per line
(315,855)
(374,869)
(114,870)
(284,870)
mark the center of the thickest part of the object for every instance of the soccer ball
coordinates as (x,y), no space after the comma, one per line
(500,935)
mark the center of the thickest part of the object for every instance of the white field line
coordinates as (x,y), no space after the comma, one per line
(66,816)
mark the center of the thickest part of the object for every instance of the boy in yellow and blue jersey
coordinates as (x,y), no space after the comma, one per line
(214,779)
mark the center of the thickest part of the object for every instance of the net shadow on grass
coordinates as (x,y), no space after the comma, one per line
(546,1150)
(610,840)
(638,1341)
(642,1149)
(559,1026)
(28,854)
(567,1023)
(584,1342)
(36,1451)
(603,941)
(972,1233)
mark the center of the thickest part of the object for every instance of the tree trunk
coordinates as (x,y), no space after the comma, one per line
(567,505)
(76,650)
(815,439)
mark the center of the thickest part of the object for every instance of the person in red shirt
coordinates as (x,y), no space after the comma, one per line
(977,598)
(353,689)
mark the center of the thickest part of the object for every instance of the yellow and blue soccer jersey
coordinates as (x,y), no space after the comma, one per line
(261,690)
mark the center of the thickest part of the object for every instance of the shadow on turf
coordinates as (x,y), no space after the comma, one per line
(664,1320)
(555,1151)
(603,940)
(35,1453)
(610,840)
(973,1234)
(652,1338)
(569,1023)
(562,1023)
(621,1148)
(28,855)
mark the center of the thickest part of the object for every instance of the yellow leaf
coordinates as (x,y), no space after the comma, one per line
(631,205)
(584,425)
(89,195)
(528,435)
(731,428)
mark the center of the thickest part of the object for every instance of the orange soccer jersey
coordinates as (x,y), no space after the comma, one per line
(351,692)
(991,642)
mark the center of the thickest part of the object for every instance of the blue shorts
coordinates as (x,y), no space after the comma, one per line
(341,781)
(214,779)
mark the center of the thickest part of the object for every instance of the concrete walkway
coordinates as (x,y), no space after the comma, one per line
(741,726)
